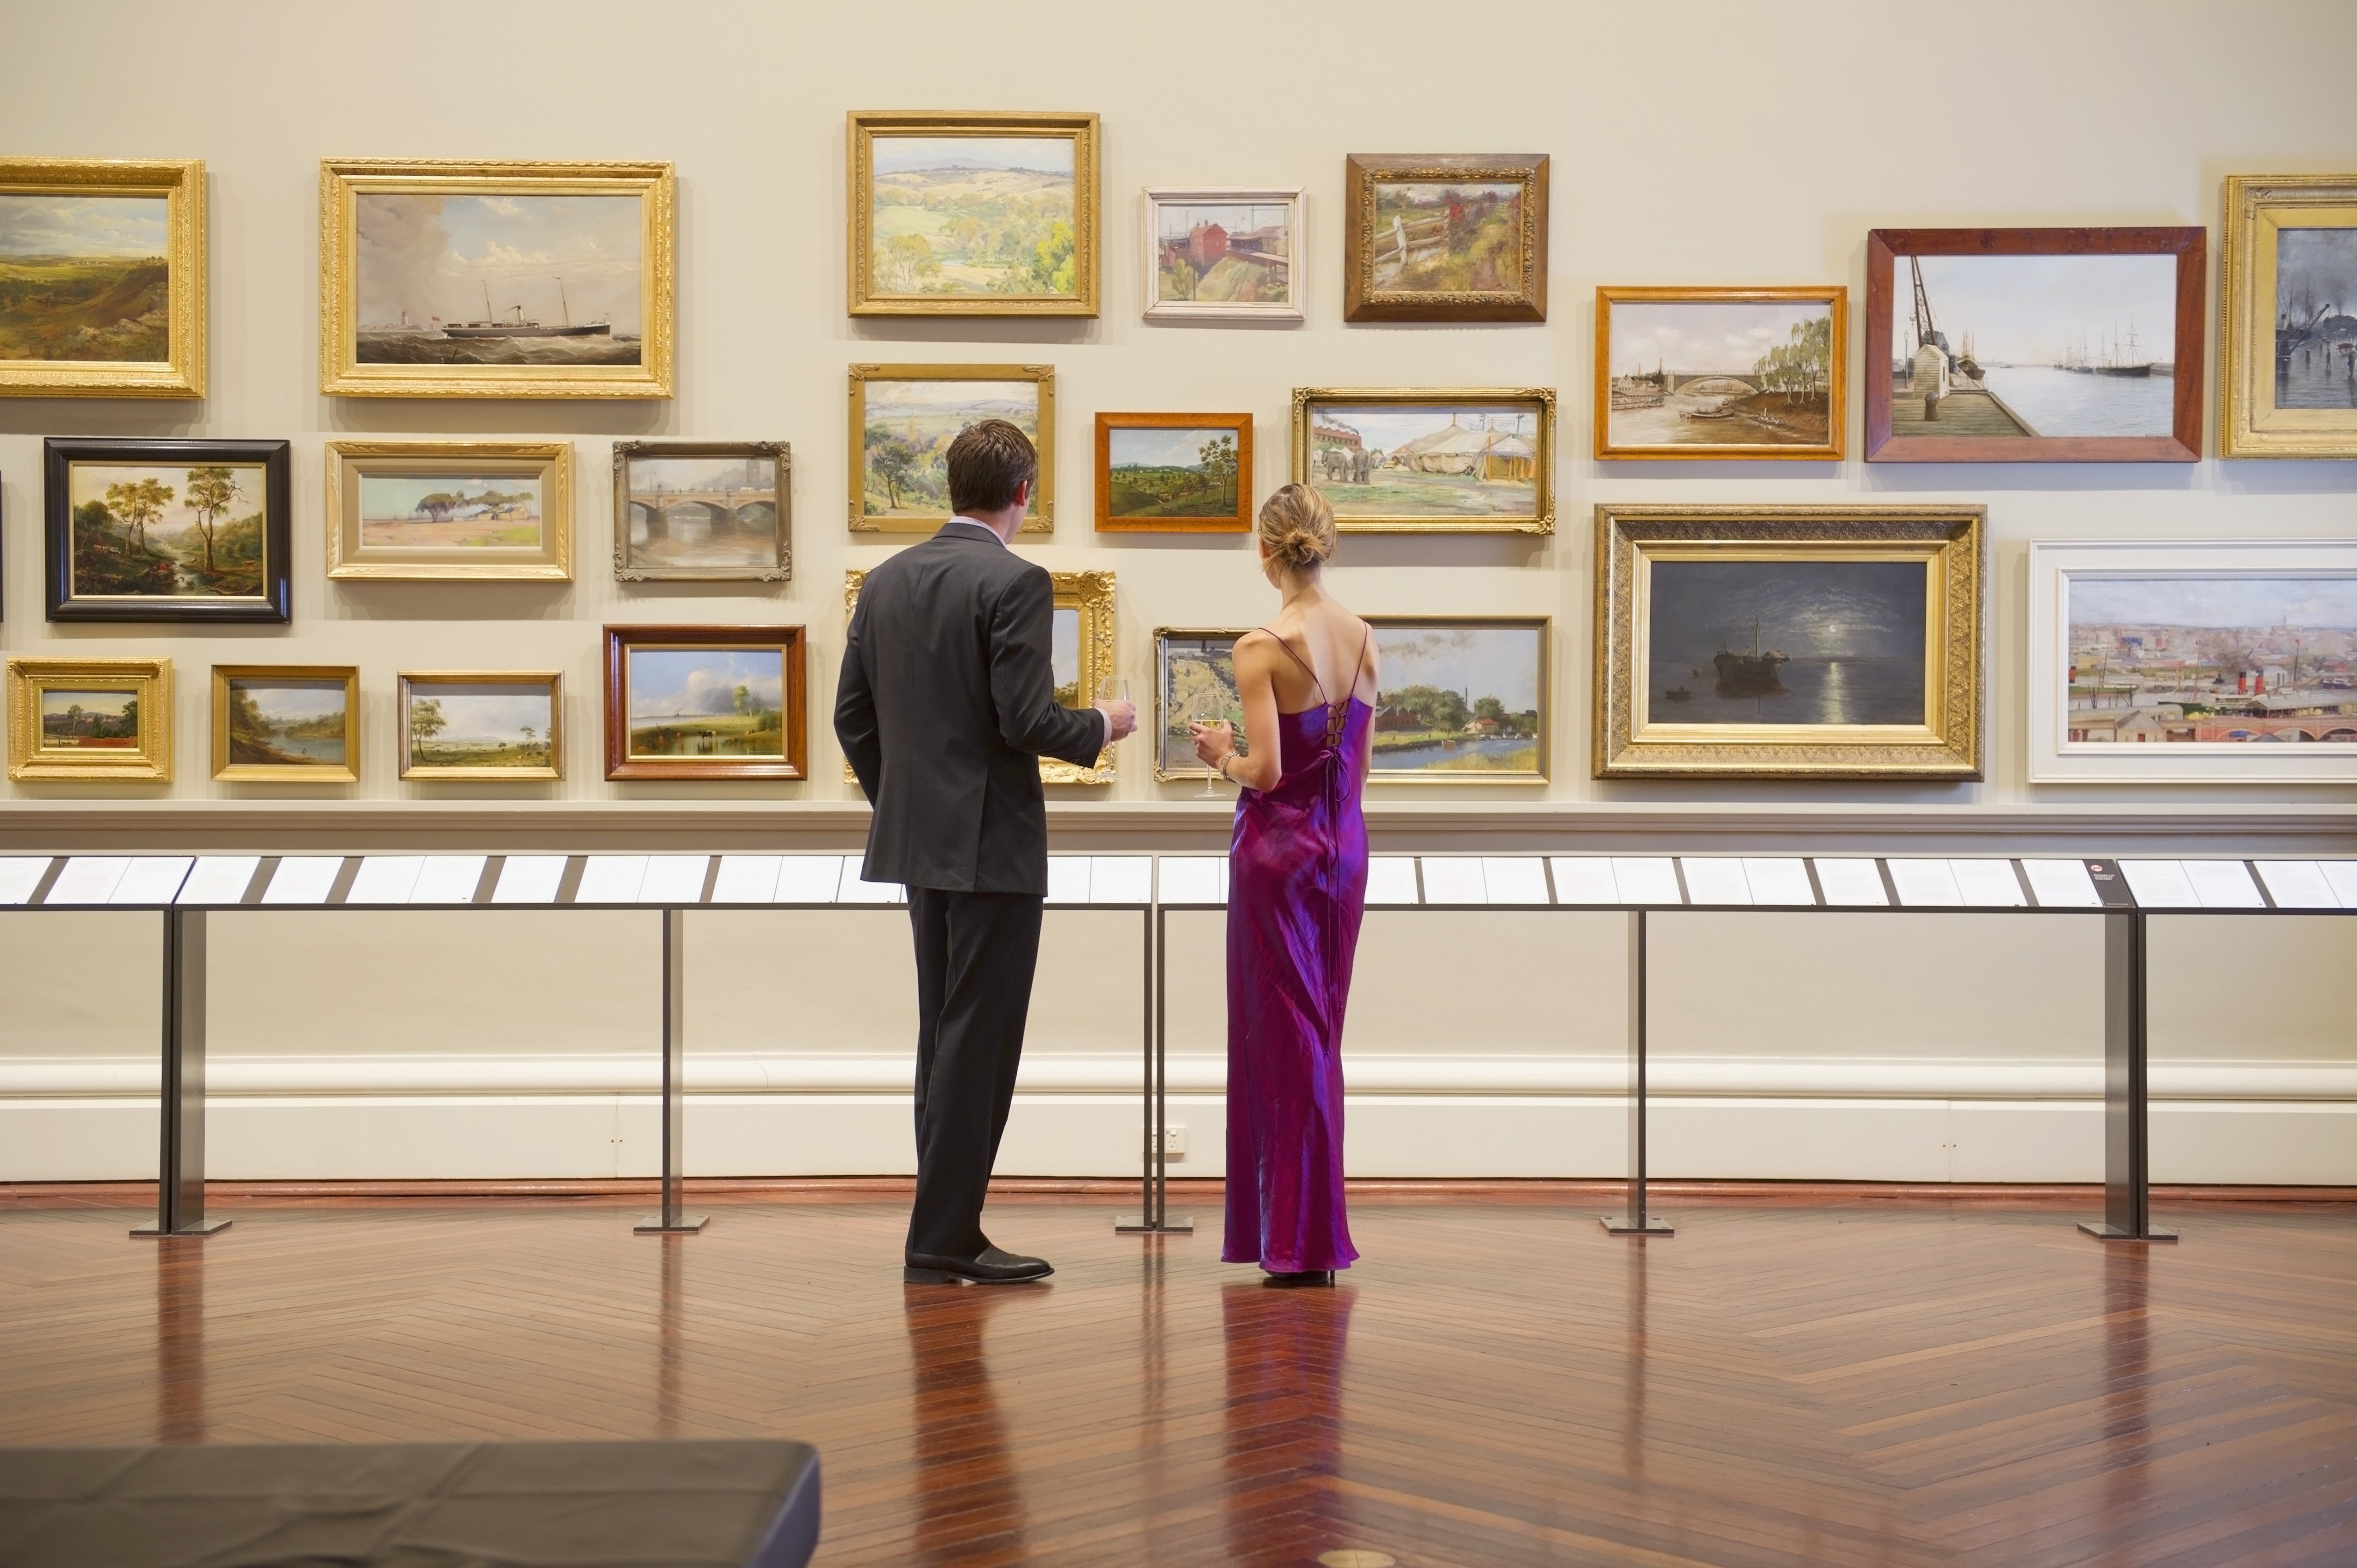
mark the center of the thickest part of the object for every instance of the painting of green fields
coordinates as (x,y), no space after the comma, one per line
(706,702)
(84,277)
(167,531)
(1444,237)
(1172,472)
(972,215)
(480,724)
(905,471)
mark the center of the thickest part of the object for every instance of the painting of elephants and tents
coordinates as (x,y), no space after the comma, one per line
(1461,701)
(1441,460)
(452,512)
(972,215)
(168,531)
(906,439)
(85,278)
(497,279)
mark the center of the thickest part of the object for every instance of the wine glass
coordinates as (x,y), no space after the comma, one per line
(1207,709)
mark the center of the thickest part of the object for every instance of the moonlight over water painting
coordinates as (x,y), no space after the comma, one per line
(1786,642)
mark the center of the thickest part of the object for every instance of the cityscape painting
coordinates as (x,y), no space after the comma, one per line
(2219,660)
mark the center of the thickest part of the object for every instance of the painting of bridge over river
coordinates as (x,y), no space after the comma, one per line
(1785,642)
(1701,377)
(718,515)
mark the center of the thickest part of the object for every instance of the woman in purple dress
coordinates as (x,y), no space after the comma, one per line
(1296,888)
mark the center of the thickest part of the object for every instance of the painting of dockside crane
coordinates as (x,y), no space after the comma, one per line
(1720,372)
(1405,462)
(2288,285)
(2315,317)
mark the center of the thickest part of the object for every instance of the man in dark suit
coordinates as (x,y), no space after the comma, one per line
(946,704)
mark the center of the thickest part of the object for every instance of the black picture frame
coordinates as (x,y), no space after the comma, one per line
(271,606)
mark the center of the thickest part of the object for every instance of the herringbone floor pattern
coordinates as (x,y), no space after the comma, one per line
(1495,1385)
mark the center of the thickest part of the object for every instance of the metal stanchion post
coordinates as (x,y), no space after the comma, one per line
(674,1085)
(1636,1221)
(181,1180)
(1154,1183)
(2128,1153)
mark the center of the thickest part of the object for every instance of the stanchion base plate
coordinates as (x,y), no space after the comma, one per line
(2113,1233)
(154,1233)
(1135,1225)
(686,1225)
(1618,1224)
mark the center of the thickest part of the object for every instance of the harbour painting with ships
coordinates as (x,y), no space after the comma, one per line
(498,280)
(1732,373)
(2316,318)
(2212,659)
(2018,346)
(1786,642)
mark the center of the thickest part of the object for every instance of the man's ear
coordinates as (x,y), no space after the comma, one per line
(1023,494)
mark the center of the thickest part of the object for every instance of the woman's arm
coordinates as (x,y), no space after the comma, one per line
(1254,660)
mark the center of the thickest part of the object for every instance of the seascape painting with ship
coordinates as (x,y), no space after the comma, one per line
(1786,642)
(2211,661)
(1439,460)
(1721,373)
(497,280)
(2316,318)
(2018,346)
(85,278)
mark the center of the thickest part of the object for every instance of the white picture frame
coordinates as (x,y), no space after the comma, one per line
(2149,740)
(1294,260)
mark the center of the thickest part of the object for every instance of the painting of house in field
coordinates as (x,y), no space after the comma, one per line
(910,424)
(972,215)
(1460,698)
(1223,253)
(452,510)
(2212,659)
(1449,236)
(85,278)
(1437,460)
(167,531)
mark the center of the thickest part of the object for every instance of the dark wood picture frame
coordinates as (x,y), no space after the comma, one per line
(2182,445)
(271,606)
(793,644)
(1363,301)
(1238,522)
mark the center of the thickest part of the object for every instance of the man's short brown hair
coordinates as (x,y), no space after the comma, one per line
(987,462)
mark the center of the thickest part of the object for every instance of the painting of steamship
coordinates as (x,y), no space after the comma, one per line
(497,280)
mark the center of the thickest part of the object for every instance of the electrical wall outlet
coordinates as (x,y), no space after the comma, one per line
(1173,1142)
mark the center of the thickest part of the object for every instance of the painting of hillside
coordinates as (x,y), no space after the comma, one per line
(905,466)
(85,278)
(988,215)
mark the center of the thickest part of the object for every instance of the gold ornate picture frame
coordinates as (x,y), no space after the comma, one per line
(497,727)
(972,214)
(1428,459)
(1445,237)
(574,262)
(2287,375)
(1084,625)
(903,418)
(1790,642)
(420,511)
(286,723)
(112,303)
(89,721)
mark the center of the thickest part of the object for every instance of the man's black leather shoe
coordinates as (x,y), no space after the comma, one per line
(989,1267)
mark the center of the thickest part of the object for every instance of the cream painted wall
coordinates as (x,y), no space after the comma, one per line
(1706,143)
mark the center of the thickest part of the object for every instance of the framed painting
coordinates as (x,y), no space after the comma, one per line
(166,530)
(458,278)
(1174,473)
(1213,253)
(450,510)
(973,214)
(89,721)
(1445,237)
(705,702)
(1080,644)
(2287,288)
(2034,345)
(286,723)
(102,270)
(1464,700)
(1428,460)
(2193,662)
(1721,373)
(702,512)
(903,418)
(495,726)
(1789,642)
(1194,682)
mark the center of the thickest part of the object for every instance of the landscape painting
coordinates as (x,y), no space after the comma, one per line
(497,279)
(1449,236)
(90,719)
(1176,472)
(901,432)
(1405,462)
(973,214)
(1769,641)
(713,514)
(2210,659)
(166,529)
(480,726)
(1746,374)
(2315,317)
(1462,701)
(706,702)
(1230,254)
(75,719)
(1064,656)
(85,277)
(1195,681)
(292,726)
(455,510)
(1445,238)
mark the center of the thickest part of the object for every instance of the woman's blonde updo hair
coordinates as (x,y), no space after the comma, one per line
(1296,527)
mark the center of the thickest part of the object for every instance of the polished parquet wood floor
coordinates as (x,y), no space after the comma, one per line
(1833,1382)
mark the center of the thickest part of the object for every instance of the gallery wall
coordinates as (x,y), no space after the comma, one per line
(1702,143)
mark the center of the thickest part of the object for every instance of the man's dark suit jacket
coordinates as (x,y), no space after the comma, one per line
(946,704)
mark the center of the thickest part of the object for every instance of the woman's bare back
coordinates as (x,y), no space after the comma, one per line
(1327,638)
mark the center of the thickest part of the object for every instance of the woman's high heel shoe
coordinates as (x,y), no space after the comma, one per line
(1304,1278)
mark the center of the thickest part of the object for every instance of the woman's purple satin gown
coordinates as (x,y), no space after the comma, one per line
(1296,888)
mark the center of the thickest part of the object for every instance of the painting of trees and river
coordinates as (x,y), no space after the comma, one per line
(85,278)
(706,702)
(1463,699)
(2316,318)
(452,510)
(167,531)
(1786,642)
(287,722)
(1436,460)
(971,215)
(497,279)
(1720,373)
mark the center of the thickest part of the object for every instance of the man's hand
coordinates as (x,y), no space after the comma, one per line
(1121,719)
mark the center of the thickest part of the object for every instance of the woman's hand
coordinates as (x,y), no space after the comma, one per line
(1214,743)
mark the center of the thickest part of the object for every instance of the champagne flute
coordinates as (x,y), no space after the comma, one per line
(1207,709)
